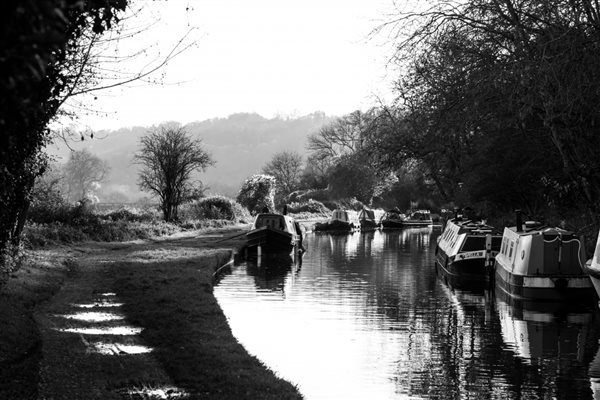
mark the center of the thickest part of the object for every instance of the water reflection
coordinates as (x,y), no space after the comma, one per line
(366,317)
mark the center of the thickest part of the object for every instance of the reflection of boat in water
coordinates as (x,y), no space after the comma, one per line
(274,233)
(269,271)
(465,251)
(594,374)
(338,222)
(542,263)
(544,333)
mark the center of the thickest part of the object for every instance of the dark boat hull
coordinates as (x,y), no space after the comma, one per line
(271,240)
(334,226)
(544,288)
(463,273)
(416,223)
(391,224)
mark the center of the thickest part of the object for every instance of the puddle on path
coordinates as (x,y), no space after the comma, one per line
(93,316)
(166,392)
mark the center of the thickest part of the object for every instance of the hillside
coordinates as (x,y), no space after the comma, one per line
(240,144)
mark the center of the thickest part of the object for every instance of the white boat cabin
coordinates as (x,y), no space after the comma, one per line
(471,239)
(340,215)
(366,215)
(544,251)
(275,221)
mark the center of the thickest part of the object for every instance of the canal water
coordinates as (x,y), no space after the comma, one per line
(366,316)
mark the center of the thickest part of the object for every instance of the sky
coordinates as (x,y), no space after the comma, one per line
(272,57)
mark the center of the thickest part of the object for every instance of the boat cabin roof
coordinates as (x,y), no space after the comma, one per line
(366,214)
(276,221)
(536,228)
(341,215)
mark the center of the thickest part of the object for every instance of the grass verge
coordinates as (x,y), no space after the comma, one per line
(173,300)
(20,347)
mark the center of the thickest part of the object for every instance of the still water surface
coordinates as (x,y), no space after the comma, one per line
(365,316)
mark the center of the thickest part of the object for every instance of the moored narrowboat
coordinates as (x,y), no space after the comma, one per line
(274,233)
(418,218)
(392,219)
(366,220)
(465,251)
(338,222)
(543,263)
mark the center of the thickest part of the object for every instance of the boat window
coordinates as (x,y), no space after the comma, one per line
(512,245)
(271,222)
(503,248)
(474,243)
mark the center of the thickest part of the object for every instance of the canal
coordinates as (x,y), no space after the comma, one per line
(365,316)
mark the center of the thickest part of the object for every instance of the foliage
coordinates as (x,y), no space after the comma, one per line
(36,40)
(286,167)
(352,176)
(169,157)
(496,105)
(257,193)
(47,201)
(311,206)
(215,207)
(82,173)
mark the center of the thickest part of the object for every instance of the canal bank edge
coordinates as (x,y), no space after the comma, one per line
(36,285)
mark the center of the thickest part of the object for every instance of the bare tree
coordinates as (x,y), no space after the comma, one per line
(169,157)
(82,172)
(286,167)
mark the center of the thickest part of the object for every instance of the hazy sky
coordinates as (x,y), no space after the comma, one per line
(266,56)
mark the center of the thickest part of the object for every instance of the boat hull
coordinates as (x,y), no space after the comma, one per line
(464,272)
(551,287)
(594,273)
(391,224)
(271,240)
(416,223)
(334,226)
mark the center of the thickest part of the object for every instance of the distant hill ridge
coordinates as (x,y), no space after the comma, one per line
(241,145)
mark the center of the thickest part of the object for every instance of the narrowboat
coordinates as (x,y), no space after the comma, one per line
(274,233)
(338,222)
(418,218)
(366,220)
(592,267)
(465,251)
(542,263)
(392,219)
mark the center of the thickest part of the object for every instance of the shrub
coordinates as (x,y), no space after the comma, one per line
(215,207)
(257,192)
(131,215)
(310,206)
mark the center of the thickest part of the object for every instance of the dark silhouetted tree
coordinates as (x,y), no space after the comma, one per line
(169,157)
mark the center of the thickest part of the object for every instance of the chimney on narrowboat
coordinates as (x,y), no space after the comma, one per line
(519,220)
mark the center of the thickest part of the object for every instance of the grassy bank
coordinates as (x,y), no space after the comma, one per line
(38,280)
(174,302)
(166,287)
